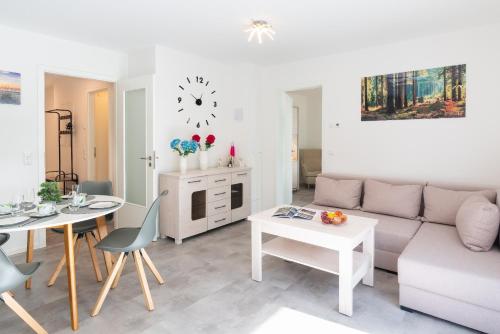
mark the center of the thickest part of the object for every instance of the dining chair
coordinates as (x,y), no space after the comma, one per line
(126,241)
(11,276)
(85,229)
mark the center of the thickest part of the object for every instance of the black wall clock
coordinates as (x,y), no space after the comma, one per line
(197,99)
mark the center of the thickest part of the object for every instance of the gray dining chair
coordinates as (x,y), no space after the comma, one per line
(11,276)
(85,230)
(126,241)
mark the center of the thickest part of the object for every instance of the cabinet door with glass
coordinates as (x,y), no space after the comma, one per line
(240,195)
(193,207)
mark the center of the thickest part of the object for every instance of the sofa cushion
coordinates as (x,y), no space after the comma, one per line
(339,193)
(392,234)
(477,223)
(441,205)
(436,261)
(395,200)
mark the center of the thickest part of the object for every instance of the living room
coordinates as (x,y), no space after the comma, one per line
(204,121)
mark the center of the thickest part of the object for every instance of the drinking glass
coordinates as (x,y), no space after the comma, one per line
(16,204)
(29,200)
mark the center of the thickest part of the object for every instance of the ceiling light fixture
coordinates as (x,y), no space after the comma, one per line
(260,28)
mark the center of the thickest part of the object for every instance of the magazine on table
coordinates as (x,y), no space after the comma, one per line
(293,212)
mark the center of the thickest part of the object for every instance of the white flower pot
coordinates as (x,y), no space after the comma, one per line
(203,160)
(183,164)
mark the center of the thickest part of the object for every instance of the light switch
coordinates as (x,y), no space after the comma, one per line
(28,158)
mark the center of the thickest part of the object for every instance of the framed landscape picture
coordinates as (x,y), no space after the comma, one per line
(432,93)
(10,87)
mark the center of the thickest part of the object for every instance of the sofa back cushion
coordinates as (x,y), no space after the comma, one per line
(345,194)
(441,205)
(477,223)
(395,200)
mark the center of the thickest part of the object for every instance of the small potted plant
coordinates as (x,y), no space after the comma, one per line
(209,142)
(49,192)
(183,148)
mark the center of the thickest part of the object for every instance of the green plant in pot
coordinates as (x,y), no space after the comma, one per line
(49,192)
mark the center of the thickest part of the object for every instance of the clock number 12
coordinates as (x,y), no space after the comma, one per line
(199,79)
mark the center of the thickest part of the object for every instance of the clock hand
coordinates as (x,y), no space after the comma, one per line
(194,97)
(201,96)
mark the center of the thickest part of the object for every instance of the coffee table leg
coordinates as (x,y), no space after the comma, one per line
(256,252)
(369,251)
(345,282)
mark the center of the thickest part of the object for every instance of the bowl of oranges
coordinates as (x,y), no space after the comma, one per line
(334,218)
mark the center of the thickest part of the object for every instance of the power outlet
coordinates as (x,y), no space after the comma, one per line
(27,158)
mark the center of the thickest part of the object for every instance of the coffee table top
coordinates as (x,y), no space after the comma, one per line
(353,229)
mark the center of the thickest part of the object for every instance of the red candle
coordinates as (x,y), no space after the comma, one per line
(232,151)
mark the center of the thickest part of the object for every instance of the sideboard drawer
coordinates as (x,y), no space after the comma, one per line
(194,184)
(194,227)
(216,194)
(219,220)
(218,207)
(240,177)
(218,180)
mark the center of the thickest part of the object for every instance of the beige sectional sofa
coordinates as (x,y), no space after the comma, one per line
(437,273)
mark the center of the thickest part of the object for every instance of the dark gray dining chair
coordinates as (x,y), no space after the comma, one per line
(11,276)
(85,229)
(126,241)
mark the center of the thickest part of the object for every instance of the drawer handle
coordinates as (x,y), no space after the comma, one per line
(221,180)
(242,174)
(197,181)
(219,220)
(218,194)
(220,207)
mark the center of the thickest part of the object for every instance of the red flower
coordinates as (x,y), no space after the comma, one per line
(210,139)
(196,138)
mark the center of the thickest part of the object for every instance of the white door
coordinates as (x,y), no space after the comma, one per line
(285,166)
(135,149)
(98,167)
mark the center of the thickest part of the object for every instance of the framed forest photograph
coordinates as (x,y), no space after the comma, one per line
(431,93)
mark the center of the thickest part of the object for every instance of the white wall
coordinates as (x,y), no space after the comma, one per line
(460,151)
(71,93)
(237,91)
(29,54)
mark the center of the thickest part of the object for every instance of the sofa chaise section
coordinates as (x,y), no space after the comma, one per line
(439,276)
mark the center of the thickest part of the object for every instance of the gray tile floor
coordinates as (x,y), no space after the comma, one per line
(209,290)
(303,196)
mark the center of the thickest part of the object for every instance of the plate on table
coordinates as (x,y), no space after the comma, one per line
(5,209)
(13,220)
(42,215)
(103,205)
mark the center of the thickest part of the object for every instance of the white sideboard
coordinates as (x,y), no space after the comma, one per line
(199,201)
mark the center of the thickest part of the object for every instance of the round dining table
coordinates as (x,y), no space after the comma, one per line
(65,219)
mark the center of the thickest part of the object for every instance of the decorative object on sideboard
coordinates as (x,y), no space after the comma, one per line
(183,148)
(209,142)
(232,155)
(10,87)
(431,93)
(197,99)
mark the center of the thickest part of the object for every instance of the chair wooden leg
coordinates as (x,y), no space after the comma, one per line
(60,265)
(29,253)
(21,312)
(77,249)
(102,231)
(107,286)
(119,274)
(152,267)
(148,301)
(93,256)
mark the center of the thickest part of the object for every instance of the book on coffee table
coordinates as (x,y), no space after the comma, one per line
(293,212)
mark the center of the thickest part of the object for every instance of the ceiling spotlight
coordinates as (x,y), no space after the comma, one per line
(260,28)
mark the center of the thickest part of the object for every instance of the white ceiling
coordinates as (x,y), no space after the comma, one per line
(304,28)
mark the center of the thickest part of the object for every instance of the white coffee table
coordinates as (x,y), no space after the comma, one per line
(325,247)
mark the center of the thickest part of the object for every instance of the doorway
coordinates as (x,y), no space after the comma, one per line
(306,143)
(79,144)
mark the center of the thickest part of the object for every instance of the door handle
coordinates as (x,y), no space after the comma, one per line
(145,158)
(152,162)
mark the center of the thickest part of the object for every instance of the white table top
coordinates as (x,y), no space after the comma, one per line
(66,218)
(351,229)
